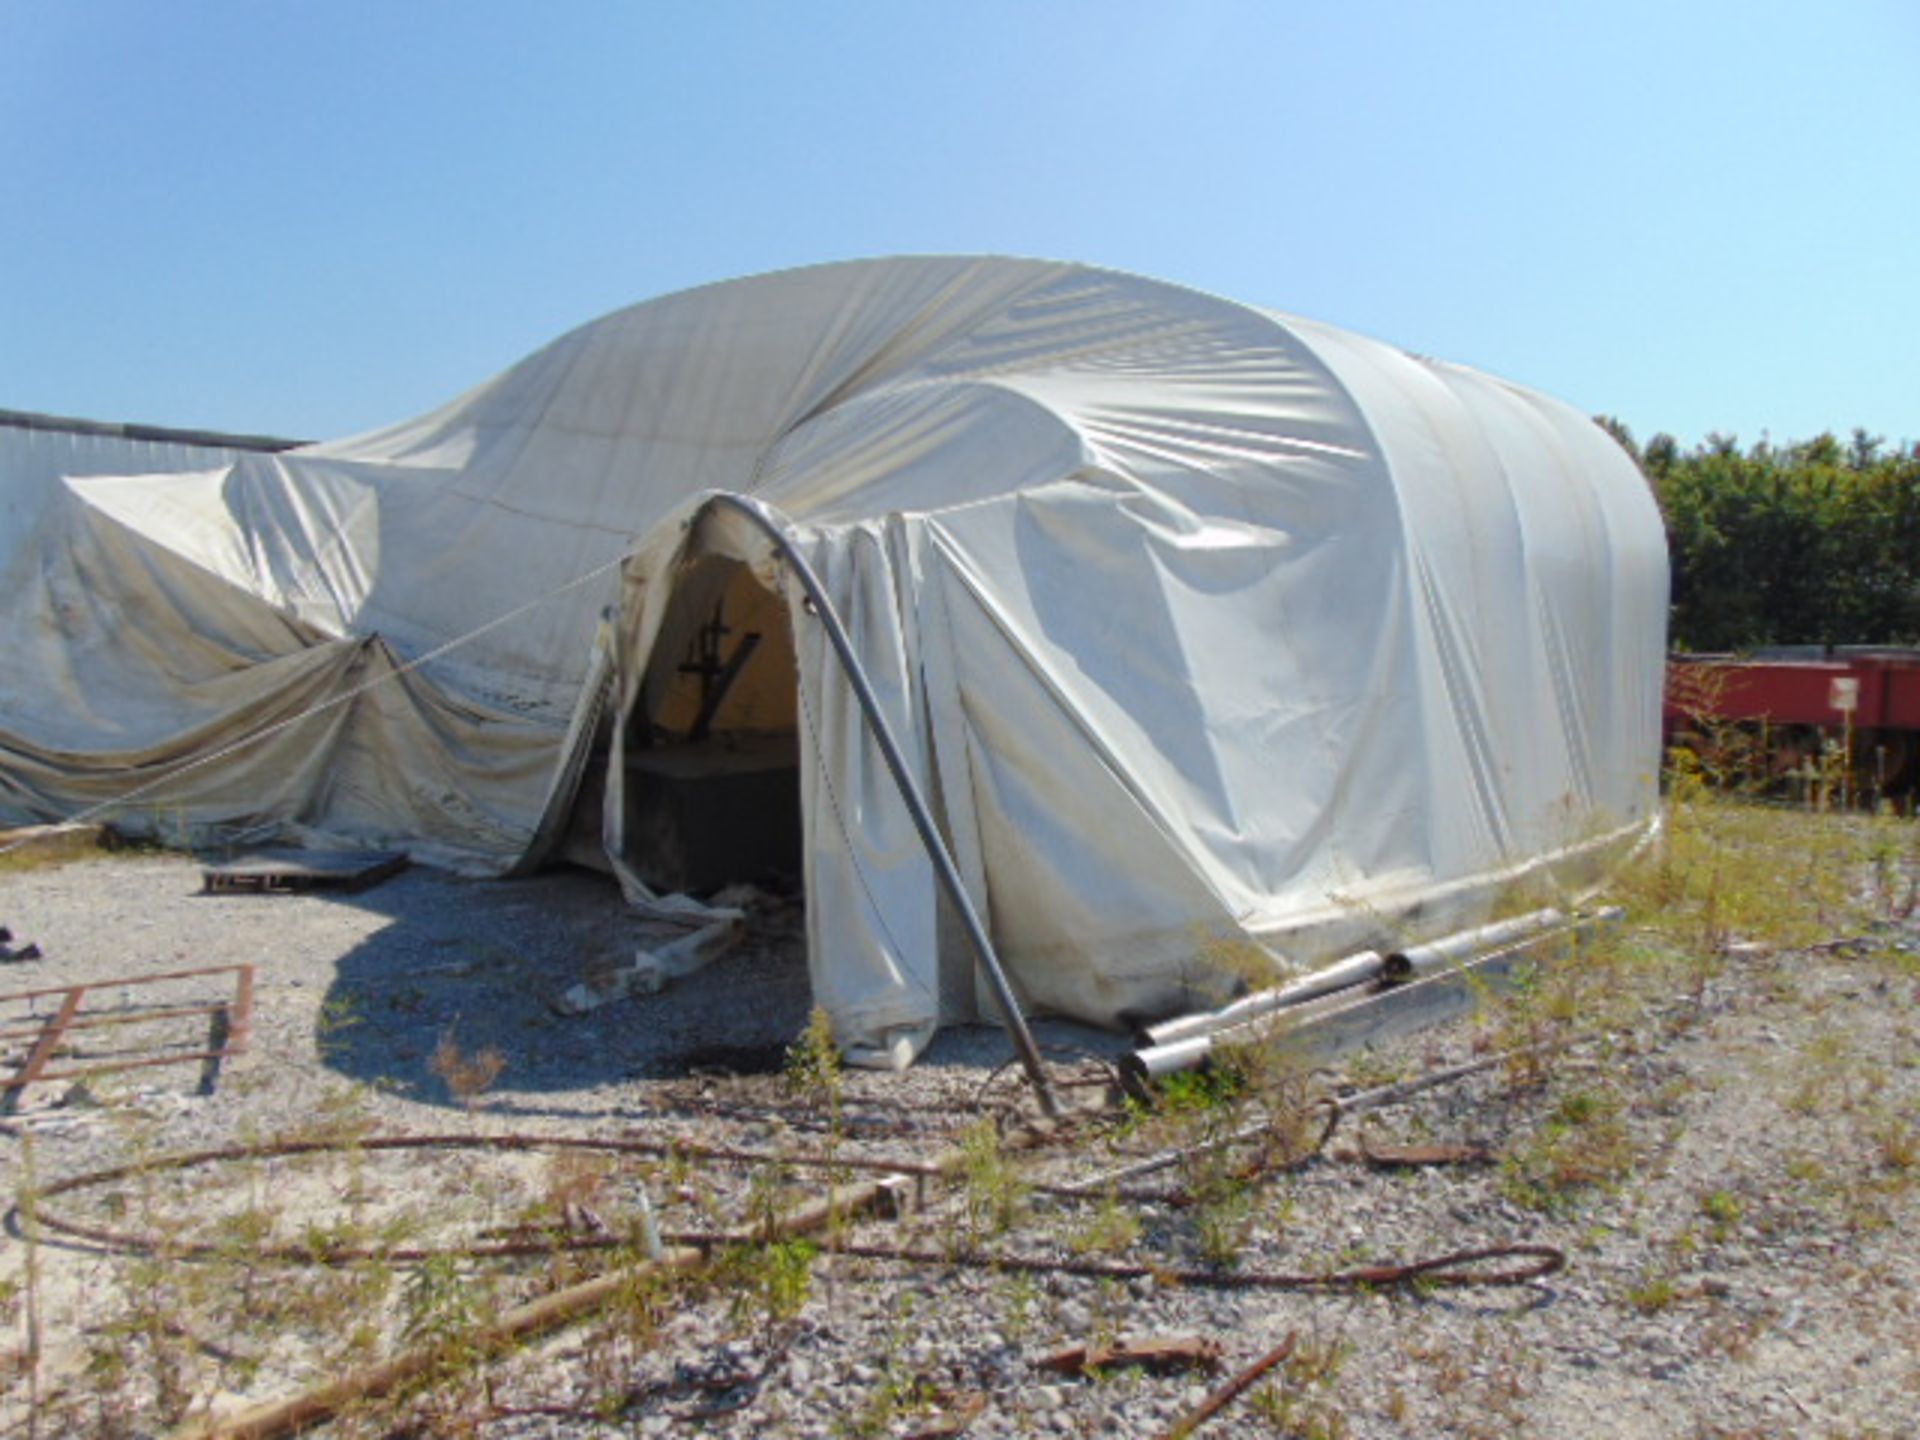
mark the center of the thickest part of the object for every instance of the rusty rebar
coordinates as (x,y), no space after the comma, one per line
(1452,1270)
(1232,1390)
(307,1253)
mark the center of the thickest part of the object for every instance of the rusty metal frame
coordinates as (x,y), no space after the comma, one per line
(230,1026)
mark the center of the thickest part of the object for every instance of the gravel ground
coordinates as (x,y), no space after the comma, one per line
(1730,1174)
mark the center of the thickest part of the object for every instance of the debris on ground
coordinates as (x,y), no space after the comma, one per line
(10,954)
(1162,1354)
(652,968)
(1397,1157)
(291,872)
(180,1017)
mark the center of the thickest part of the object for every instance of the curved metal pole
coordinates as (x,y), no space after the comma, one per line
(903,780)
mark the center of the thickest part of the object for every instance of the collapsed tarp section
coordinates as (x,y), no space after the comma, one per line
(184,706)
(1219,639)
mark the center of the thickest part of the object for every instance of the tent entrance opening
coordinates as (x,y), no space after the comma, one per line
(712,749)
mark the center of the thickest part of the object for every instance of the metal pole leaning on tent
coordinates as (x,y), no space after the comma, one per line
(903,780)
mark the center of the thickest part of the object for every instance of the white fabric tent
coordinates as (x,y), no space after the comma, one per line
(1204,626)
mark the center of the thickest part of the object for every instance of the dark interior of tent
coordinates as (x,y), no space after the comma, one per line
(712,783)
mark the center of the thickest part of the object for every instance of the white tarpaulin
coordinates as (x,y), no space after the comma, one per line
(1203,625)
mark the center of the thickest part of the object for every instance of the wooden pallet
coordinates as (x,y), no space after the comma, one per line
(288,872)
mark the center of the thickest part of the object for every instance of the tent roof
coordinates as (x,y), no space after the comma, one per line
(837,392)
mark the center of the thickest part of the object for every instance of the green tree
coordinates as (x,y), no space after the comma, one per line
(1813,542)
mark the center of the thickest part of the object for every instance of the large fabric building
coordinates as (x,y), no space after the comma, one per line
(1202,626)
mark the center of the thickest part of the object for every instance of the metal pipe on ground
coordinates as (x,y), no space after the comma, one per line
(1466,947)
(1139,1070)
(1356,969)
(1449,950)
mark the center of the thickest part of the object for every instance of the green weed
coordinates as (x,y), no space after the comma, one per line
(994,1194)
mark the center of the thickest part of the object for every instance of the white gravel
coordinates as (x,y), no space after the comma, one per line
(1749,1272)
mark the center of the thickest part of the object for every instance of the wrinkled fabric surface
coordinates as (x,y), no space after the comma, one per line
(1205,627)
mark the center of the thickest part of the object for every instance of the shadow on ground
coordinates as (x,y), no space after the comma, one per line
(468,968)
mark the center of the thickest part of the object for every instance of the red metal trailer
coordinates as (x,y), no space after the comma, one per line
(1792,705)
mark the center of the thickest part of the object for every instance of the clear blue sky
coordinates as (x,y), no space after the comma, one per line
(311,219)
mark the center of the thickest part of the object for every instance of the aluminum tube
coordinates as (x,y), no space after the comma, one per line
(1185,1052)
(1142,1067)
(1450,950)
(1183,1027)
(1149,1062)
(944,868)
(1355,969)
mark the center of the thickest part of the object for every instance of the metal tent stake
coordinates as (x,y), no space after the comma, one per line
(936,848)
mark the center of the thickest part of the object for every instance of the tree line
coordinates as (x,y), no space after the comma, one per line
(1816,542)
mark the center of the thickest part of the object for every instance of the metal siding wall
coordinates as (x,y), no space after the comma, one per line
(33,461)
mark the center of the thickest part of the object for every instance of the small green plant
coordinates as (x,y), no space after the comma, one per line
(441,1308)
(445,1310)
(1654,1293)
(903,1390)
(27,1207)
(1230,964)
(1534,1012)
(771,1282)
(768,1190)
(1111,1228)
(1898,1142)
(339,1014)
(1585,1143)
(1722,1210)
(1301,1403)
(623,1329)
(1582,1107)
(1716,755)
(899,1393)
(813,1062)
(1807,1169)
(1022,1292)
(1211,1087)
(1221,1223)
(995,1196)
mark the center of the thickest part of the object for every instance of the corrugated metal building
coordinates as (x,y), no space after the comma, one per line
(37,450)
